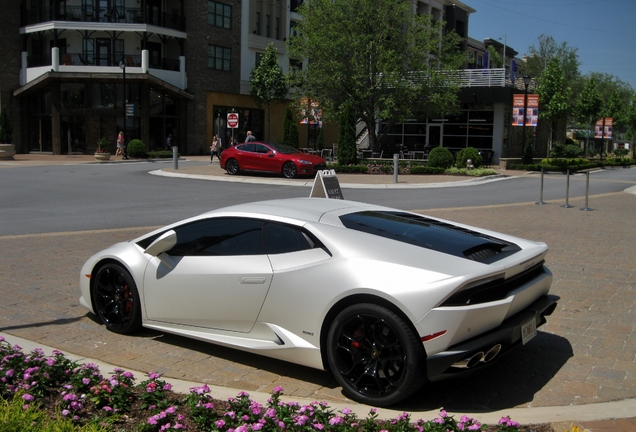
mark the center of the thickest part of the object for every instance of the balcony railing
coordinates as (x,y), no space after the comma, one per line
(114,15)
(79,59)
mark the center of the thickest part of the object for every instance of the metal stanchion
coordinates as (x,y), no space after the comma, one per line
(396,166)
(541,202)
(567,193)
(587,192)
(175,157)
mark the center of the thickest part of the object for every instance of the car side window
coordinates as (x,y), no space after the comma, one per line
(280,238)
(246,147)
(260,148)
(219,237)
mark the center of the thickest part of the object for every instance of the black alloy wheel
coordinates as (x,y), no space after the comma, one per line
(232,167)
(116,299)
(289,170)
(374,355)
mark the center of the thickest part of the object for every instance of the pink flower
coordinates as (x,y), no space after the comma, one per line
(27,397)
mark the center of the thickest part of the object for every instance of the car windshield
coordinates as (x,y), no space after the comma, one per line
(283,148)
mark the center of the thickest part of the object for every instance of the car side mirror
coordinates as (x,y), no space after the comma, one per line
(163,243)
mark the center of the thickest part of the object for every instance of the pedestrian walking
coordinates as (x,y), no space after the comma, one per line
(120,144)
(250,137)
(214,149)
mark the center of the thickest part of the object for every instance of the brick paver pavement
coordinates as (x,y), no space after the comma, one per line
(585,354)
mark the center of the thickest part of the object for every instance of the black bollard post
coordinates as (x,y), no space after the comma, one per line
(567,193)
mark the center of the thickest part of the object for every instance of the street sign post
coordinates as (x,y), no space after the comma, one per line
(232,123)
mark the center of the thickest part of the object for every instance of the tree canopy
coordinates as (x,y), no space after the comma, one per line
(547,49)
(553,92)
(380,56)
(268,84)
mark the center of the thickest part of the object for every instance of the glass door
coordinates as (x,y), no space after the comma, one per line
(103,52)
(433,135)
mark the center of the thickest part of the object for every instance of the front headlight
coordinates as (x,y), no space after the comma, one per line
(304,162)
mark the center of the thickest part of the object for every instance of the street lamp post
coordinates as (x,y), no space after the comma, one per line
(526,83)
(122,65)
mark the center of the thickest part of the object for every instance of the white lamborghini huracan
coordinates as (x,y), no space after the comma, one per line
(384,299)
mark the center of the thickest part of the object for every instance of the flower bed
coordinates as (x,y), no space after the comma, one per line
(82,395)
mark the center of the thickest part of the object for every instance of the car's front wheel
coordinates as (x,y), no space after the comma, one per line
(116,299)
(374,355)
(232,167)
(290,170)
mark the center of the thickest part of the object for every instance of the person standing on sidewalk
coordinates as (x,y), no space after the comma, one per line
(120,144)
(250,137)
(214,149)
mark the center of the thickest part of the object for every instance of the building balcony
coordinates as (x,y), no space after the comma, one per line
(122,15)
(171,71)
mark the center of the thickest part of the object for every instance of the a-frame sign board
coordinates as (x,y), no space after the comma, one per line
(326,185)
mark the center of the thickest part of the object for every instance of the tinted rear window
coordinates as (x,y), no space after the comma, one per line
(430,234)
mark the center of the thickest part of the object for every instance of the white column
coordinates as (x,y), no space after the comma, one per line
(182,69)
(55,59)
(144,61)
(23,68)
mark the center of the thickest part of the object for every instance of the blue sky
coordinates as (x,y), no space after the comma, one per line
(604,31)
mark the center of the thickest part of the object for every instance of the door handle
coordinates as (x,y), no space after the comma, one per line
(252,280)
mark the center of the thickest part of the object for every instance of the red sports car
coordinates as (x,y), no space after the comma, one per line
(270,157)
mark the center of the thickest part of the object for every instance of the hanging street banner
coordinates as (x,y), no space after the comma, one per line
(603,128)
(517,110)
(311,112)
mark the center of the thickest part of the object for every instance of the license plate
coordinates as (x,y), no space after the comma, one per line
(528,331)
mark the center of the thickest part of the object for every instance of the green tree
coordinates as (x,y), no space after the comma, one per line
(547,49)
(630,121)
(554,94)
(379,55)
(588,108)
(268,82)
(347,150)
(290,129)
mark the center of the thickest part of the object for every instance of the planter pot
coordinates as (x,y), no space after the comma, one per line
(7,151)
(102,156)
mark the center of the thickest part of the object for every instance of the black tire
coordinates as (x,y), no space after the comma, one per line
(374,355)
(232,167)
(289,170)
(116,299)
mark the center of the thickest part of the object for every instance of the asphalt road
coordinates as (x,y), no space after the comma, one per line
(102,196)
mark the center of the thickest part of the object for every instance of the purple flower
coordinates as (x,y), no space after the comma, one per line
(167,387)
(346,411)
(319,426)
(9,373)
(153,420)
(257,426)
(27,397)
(65,412)
(220,424)
(86,381)
(336,420)
(278,389)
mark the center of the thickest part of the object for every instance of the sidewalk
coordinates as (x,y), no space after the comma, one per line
(580,370)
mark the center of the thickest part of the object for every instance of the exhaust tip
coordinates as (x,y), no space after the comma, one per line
(492,353)
(469,362)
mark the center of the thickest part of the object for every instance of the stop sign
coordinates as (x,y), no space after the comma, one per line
(232,120)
